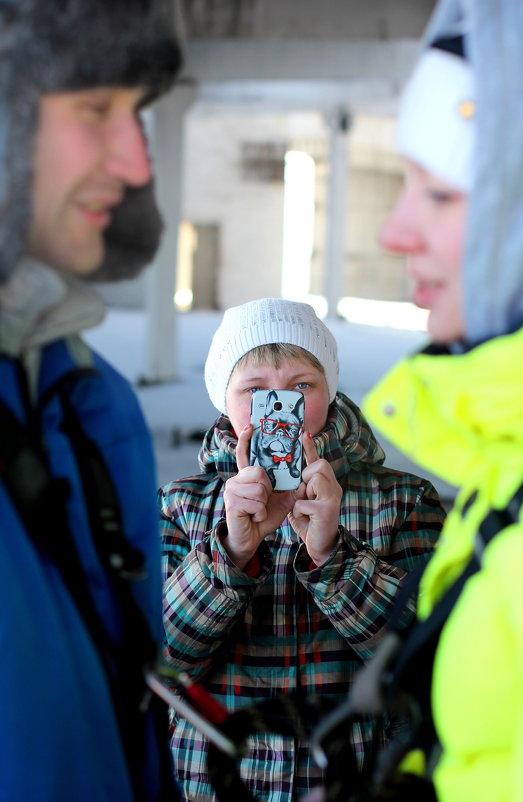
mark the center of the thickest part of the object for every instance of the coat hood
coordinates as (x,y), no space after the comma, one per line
(66,45)
(493,269)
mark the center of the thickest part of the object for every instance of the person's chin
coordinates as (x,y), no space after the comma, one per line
(82,262)
(87,256)
(443,332)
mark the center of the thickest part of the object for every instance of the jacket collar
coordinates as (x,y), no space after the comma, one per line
(39,305)
(346,442)
(456,414)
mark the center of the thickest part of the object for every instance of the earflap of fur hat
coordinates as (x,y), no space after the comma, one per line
(18,113)
(132,239)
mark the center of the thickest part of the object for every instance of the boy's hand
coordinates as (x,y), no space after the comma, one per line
(253,510)
(316,512)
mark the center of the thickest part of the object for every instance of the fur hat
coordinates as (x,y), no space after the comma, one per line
(264,321)
(64,45)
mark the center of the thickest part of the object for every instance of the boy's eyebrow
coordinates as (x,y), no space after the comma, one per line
(302,374)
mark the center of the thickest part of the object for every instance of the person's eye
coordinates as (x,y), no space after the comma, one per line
(303,386)
(442,196)
(99,109)
(96,109)
(252,390)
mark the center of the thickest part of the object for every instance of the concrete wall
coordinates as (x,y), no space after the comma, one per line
(234,251)
(249,213)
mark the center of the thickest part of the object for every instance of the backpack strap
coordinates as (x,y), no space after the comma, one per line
(288,715)
(399,678)
(413,665)
(37,496)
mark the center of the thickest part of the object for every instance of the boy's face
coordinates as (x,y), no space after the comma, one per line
(89,147)
(294,374)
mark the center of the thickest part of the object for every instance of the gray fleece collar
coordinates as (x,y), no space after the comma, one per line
(39,305)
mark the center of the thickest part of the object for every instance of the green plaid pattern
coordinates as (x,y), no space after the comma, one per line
(289,629)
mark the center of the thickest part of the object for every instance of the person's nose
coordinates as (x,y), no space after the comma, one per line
(399,232)
(128,157)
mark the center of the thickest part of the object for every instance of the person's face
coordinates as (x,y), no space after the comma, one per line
(295,374)
(427,224)
(89,147)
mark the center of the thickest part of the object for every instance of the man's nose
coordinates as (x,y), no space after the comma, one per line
(128,158)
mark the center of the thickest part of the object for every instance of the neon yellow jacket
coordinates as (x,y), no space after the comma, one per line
(461,417)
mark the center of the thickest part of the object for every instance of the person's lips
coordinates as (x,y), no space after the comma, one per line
(98,212)
(426,293)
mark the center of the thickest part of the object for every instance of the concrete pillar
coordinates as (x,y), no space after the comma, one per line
(339,122)
(167,148)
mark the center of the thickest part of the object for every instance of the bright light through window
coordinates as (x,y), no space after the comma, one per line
(298,225)
(183,299)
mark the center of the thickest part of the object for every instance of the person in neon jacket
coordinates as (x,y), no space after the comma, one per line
(457,407)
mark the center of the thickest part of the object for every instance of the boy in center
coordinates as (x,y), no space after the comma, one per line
(269,593)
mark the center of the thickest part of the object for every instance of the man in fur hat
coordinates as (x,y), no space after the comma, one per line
(79,568)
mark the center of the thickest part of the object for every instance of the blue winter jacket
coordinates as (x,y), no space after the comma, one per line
(54,693)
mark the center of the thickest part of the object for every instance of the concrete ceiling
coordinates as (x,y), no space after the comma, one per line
(304,19)
(300,53)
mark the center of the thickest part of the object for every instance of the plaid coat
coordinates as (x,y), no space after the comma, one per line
(293,628)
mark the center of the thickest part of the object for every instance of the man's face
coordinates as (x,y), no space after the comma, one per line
(89,148)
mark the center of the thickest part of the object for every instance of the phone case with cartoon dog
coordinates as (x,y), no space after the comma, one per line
(276,443)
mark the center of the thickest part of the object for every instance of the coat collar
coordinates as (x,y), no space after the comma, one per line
(458,415)
(346,441)
(39,305)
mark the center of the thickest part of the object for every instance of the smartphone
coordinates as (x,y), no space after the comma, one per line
(276,443)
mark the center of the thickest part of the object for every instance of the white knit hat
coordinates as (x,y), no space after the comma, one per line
(436,125)
(264,321)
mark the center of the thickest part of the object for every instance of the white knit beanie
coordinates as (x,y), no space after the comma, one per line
(261,322)
(436,125)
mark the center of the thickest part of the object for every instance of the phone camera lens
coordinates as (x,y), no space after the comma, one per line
(278,405)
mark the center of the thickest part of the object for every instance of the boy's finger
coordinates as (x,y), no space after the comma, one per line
(242,449)
(309,449)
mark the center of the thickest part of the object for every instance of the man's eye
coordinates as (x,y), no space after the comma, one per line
(96,109)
